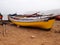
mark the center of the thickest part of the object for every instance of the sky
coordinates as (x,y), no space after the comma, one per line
(23,6)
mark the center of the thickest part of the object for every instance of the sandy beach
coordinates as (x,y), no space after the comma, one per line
(30,36)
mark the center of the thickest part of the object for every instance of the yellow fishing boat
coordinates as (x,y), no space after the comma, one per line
(44,22)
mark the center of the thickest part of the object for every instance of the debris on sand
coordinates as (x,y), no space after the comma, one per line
(33,36)
(57,31)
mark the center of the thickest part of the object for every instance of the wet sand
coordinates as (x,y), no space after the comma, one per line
(30,36)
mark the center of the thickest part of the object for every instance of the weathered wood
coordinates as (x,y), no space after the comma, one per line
(4,30)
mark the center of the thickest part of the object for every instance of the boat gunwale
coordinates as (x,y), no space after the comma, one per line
(33,19)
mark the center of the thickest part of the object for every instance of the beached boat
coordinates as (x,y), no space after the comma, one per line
(44,21)
(57,17)
(1,16)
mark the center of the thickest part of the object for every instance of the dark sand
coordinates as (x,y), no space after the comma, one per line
(30,36)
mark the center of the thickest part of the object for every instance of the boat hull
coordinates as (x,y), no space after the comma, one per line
(42,24)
